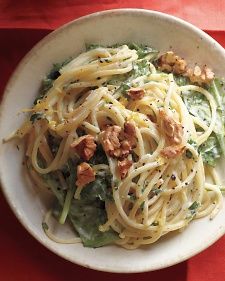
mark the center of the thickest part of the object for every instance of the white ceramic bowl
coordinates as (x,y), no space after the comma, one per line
(29,204)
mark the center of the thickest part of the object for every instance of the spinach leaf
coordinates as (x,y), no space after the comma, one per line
(86,217)
(54,72)
(53,143)
(88,213)
(140,68)
(210,150)
(143,50)
(197,105)
(52,181)
(217,89)
(99,157)
(98,189)
(48,81)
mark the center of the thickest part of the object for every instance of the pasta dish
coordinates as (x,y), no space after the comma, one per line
(127,141)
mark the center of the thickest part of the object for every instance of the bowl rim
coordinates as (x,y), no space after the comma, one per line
(13,77)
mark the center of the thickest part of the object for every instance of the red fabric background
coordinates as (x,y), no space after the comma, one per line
(22,24)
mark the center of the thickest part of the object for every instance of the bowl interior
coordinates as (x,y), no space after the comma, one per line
(29,203)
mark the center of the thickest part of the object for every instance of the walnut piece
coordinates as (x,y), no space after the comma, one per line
(118,143)
(172,130)
(136,93)
(130,134)
(200,76)
(85,174)
(123,167)
(172,151)
(85,147)
(172,63)
(110,140)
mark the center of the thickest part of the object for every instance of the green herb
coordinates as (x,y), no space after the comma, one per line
(193,143)
(124,87)
(36,116)
(116,182)
(193,208)
(181,80)
(142,205)
(154,192)
(133,197)
(90,47)
(188,154)
(45,226)
(155,223)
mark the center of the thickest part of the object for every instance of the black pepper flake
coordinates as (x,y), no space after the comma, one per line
(17,146)
(173,177)
(186,183)
(98,78)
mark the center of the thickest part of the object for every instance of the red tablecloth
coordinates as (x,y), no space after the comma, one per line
(22,24)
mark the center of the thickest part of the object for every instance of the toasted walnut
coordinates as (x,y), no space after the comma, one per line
(172,151)
(85,174)
(136,93)
(118,143)
(130,134)
(85,146)
(171,129)
(172,63)
(123,167)
(110,140)
(200,76)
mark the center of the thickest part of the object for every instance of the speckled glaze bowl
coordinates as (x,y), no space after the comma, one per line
(30,203)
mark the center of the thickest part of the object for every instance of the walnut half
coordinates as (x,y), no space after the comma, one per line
(172,129)
(85,147)
(172,63)
(85,174)
(200,76)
